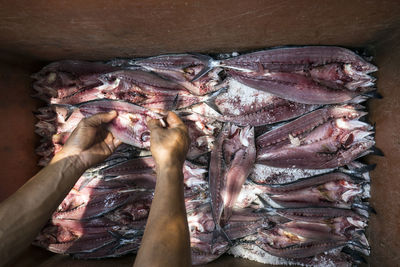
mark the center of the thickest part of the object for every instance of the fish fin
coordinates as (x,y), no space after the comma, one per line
(267,209)
(211,99)
(84,184)
(69,108)
(357,244)
(367,168)
(208,65)
(218,231)
(361,170)
(376,151)
(355,255)
(263,201)
(356,179)
(373,94)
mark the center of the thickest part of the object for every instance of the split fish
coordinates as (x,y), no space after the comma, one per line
(231,161)
(325,138)
(309,75)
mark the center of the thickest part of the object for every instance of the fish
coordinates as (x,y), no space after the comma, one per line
(308,75)
(204,246)
(130,126)
(202,133)
(297,239)
(243,105)
(63,78)
(181,69)
(318,214)
(230,163)
(138,87)
(249,250)
(334,189)
(202,130)
(102,203)
(141,173)
(325,138)
(271,173)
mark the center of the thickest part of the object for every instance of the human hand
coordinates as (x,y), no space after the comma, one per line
(90,141)
(169,145)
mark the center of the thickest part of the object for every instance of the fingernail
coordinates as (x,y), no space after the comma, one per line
(117,142)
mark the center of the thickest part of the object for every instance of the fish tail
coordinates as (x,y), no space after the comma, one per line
(211,99)
(373,94)
(209,64)
(363,206)
(367,168)
(218,231)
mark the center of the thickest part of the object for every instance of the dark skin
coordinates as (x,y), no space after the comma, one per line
(166,238)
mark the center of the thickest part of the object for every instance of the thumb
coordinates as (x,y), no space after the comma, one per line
(153,124)
(116,142)
(173,120)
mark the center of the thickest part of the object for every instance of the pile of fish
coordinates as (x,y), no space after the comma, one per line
(272,172)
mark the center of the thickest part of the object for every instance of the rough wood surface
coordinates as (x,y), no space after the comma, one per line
(101,29)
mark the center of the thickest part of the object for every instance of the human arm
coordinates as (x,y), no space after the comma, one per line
(166,238)
(24,213)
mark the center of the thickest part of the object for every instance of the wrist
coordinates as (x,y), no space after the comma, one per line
(171,163)
(170,170)
(72,160)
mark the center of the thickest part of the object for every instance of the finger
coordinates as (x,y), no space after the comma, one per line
(173,120)
(101,118)
(153,125)
(116,142)
(109,141)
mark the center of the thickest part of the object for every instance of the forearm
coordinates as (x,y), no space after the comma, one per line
(24,213)
(166,238)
